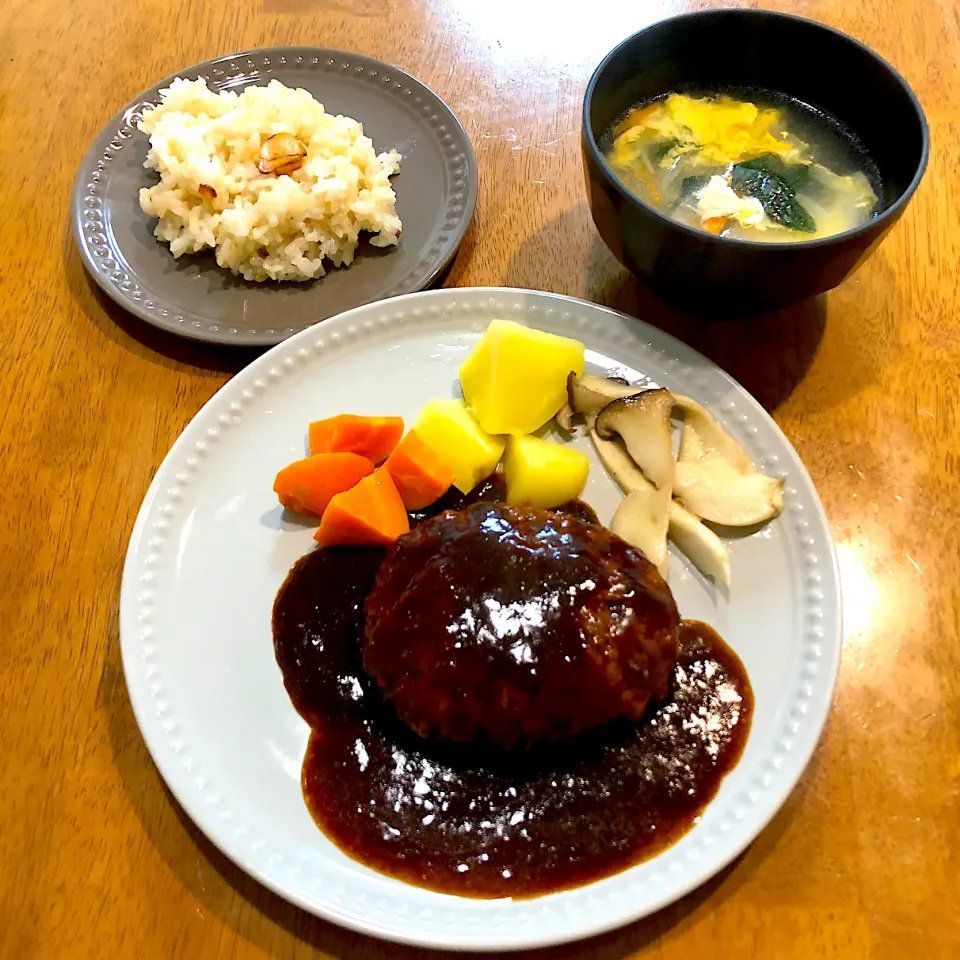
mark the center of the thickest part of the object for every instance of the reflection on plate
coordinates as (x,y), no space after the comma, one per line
(212,546)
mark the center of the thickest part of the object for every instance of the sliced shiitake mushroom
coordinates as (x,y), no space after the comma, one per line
(282,153)
(642,421)
(704,548)
(620,464)
(719,490)
(708,438)
(715,477)
(588,394)
(564,416)
(716,491)
(642,519)
(713,480)
(699,543)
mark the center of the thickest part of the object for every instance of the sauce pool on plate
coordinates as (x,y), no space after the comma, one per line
(476,820)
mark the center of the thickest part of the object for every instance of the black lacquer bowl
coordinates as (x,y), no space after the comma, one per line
(797,58)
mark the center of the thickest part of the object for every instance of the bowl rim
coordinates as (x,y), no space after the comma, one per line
(887,216)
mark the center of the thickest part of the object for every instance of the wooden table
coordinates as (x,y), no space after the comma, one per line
(96,859)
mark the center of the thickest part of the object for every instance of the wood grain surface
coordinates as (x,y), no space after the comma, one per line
(96,858)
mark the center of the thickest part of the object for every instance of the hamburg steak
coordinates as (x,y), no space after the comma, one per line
(511,625)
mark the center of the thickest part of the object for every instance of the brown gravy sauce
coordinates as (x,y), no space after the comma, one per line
(478,821)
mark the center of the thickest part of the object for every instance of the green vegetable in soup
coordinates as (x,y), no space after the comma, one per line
(691,185)
(775,184)
(661,148)
(797,175)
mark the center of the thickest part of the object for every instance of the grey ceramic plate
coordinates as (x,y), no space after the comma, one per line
(436,193)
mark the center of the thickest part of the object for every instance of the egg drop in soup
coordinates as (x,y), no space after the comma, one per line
(769,170)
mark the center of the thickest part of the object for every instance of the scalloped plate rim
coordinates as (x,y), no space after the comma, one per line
(256,338)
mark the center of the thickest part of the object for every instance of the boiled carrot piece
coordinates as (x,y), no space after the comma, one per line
(308,485)
(421,476)
(370,514)
(372,437)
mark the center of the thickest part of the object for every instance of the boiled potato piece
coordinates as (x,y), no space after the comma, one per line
(542,473)
(447,427)
(515,379)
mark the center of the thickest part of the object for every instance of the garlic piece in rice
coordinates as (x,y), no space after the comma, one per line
(281,153)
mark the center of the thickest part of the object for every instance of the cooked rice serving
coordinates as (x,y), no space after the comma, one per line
(324,182)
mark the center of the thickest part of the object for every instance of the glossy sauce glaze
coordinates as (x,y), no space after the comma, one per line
(511,625)
(480,821)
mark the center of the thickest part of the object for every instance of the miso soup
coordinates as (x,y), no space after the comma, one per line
(762,168)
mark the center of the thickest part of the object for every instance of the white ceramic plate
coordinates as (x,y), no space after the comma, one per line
(211,547)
